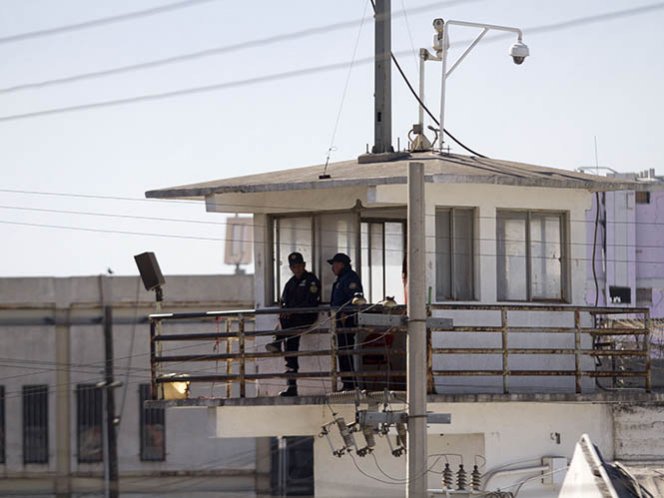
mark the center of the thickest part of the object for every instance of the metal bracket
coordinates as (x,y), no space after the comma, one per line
(366,417)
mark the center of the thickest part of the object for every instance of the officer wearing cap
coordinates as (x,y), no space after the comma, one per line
(301,291)
(345,287)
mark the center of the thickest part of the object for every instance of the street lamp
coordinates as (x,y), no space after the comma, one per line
(441,44)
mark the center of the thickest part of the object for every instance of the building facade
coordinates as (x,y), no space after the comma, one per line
(52,410)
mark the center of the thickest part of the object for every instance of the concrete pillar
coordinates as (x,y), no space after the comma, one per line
(417,343)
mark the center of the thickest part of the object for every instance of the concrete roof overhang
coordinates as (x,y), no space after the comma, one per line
(231,193)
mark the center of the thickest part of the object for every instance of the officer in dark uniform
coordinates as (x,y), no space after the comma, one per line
(345,287)
(301,291)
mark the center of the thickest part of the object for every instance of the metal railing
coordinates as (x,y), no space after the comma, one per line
(593,333)
(604,338)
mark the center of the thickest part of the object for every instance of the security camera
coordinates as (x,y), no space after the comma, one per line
(438,24)
(519,51)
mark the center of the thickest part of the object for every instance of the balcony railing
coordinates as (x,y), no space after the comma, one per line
(586,348)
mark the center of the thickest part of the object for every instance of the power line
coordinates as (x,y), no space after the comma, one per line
(345,89)
(304,230)
(102,21)
(184,91)
(302,72)
(117,232)
(300,244)
(97,196)
(224,49)
(110,215)
(271,206)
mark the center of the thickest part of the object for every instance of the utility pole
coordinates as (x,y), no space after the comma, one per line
(382,149)
(108,393)
(383,79)
(416,454)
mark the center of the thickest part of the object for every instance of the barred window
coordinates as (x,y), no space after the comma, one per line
(35,424)
(152,428)
(89,420)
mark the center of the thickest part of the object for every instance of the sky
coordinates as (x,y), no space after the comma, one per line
(72,182)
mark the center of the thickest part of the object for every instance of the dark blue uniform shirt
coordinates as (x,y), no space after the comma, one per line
(302,293)
(345,287)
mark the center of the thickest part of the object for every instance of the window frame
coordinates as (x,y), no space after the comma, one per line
(274,285)
(274,243)
(451,271)
(39,393)
(367,279)
(96,396)
(144,394)
(563,224)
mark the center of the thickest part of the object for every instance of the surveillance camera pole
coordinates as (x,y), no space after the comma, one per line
(442,44)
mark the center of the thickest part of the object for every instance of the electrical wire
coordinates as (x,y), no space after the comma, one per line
(532,257)
(298,72)
(104,21)
(174,202)
(426,109)
(224,49)
(422,104)
(111,215)
(116,232)
(345,89)
(131,356)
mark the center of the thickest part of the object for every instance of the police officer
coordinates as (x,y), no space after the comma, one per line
(344,289)
(301,291)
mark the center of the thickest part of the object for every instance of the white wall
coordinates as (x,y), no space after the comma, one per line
(514,434)
(505,434)
(487,199)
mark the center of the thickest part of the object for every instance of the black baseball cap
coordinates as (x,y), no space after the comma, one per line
(340,258)
(295,258)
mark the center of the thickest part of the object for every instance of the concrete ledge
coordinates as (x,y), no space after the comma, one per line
(599,397)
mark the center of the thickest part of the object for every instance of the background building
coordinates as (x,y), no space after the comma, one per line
(52,411)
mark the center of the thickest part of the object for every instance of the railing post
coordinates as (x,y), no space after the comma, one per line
(333,349)
(577,350)
(229,363)
(503,327)
(153,362)
(646,345)
(243,390)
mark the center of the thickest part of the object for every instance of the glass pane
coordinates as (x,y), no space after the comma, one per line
(462,251)
(377,288)
(546,256)
(364,254)
(394,254)
(443,255)
(294,234)
(511,251)
(337,233)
